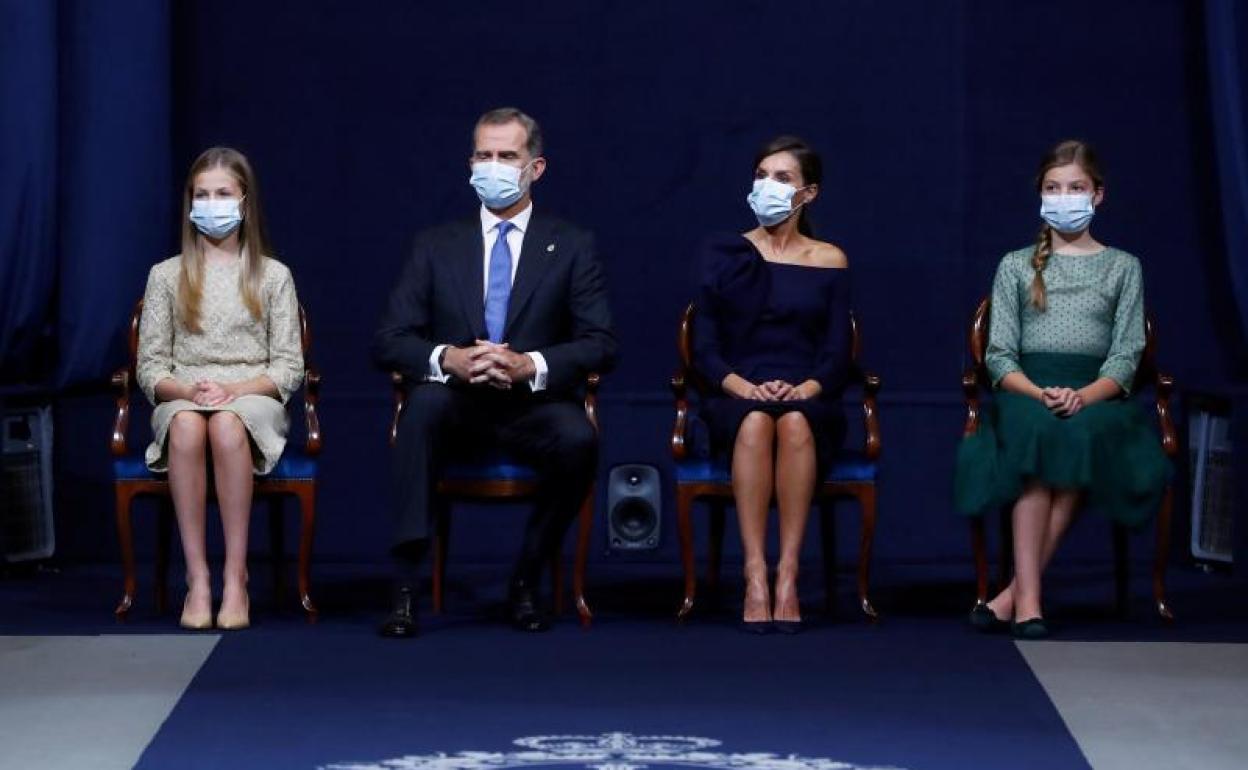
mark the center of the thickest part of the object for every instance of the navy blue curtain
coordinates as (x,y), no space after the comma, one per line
(1226,30)
(85,189)
(28,106)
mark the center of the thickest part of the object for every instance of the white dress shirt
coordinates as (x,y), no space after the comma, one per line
(515,240)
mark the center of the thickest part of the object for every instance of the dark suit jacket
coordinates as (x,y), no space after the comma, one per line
(558,305)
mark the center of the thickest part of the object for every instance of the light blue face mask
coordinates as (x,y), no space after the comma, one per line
(498,185)
(216,218)
(772,201)
(1067,213)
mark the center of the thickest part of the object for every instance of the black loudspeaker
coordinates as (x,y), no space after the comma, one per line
(634,495)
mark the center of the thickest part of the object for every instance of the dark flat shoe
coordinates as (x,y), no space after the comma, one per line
(984,620)
(789,627)
(1034,628)
(755,626)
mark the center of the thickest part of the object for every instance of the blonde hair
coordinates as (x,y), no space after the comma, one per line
(252,235)
(1065,153)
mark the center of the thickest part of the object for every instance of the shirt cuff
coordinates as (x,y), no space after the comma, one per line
(435,369)
(538,381)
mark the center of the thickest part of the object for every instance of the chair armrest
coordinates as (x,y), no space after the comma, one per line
(400,401)
(311,397)
(592,381)
(121,422)
(871,385)
(1169,438)
(680,391)
(970,392)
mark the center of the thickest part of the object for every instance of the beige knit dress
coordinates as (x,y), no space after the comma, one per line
(232,347)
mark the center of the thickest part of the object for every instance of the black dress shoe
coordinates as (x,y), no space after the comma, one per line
(983,619)
(401,623)
(789,627)
(525,614)
(1034,628)
(755,626)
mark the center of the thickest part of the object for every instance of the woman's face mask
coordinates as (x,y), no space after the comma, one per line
(772,201)
(1067,212)
(216,217)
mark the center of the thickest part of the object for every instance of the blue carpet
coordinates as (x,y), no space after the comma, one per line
(917,691)
(904,695)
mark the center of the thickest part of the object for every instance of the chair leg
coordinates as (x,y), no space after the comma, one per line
(866,498)
(1121,576)
(307,530)
(979,547)
(585,529)
(1162,556)
(827,534)
(715,545)
(164,536)
(684,522)
(125,538)
(442,534)
(277,548)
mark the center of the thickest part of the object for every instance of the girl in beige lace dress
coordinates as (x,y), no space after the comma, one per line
(219,355)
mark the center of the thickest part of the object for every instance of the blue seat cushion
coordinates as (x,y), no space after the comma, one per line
(491,466)
(846,467)
(295,464)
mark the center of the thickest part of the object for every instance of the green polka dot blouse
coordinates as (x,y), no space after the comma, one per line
(1095,308)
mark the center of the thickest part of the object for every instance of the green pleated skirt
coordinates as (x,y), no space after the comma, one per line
(1108,450)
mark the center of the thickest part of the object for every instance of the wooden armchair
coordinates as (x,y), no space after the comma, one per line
(852,475)
(976,379)
(295,474)
(500,477)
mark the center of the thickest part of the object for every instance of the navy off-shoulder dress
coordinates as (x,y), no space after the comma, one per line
(767,321)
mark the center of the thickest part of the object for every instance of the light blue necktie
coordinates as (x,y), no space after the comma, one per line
(498,290)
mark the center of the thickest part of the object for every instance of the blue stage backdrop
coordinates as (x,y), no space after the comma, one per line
(930,117)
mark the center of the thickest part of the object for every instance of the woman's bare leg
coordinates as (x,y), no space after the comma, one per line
(1061,514)
(795,486)
(232,468)
(188,486)
(752,484)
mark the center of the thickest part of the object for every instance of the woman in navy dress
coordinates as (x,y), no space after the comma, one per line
(772,338)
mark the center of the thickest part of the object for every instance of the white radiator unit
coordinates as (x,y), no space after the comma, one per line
(26,528)
(1212,486)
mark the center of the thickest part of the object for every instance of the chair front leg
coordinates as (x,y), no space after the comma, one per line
(684,521)
(715,545)
(307,530)
(866,498)
(124,497)
(585,529)
(1162,556)
(979,548)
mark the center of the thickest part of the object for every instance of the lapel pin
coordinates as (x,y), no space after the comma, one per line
(550,247)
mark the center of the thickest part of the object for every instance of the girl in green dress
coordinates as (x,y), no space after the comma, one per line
(1066,333)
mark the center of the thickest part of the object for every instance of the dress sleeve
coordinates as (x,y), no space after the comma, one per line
(155,355)
(731,288)
(1127,344)
(285,367)
(832,366)
(1004,327)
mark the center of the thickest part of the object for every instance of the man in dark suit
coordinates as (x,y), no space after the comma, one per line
(494,325)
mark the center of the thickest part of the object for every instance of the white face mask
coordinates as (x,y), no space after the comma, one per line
(216,218)
(1067,213)
(772,201)
(498,185)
